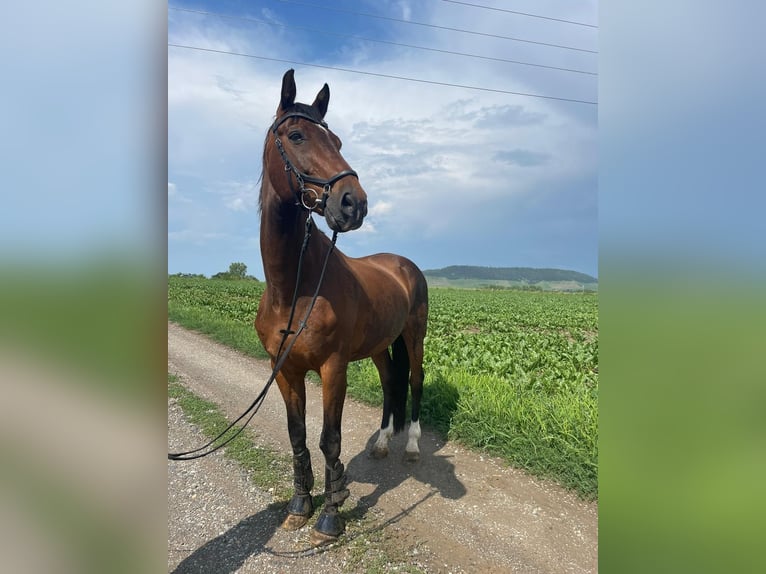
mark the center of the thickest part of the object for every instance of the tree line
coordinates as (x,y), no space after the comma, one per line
(237,272)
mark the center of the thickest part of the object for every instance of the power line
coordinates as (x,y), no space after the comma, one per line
(383,75)
(367,15)
(269,23)
(521,13)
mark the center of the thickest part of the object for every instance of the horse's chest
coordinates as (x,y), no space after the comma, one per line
(271,321)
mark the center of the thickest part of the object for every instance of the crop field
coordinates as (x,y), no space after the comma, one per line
(514,373)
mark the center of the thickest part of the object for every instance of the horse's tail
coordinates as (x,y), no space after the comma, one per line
(400,385)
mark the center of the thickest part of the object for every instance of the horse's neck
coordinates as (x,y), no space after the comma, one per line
(282,233)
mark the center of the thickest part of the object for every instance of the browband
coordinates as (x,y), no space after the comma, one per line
(278,122)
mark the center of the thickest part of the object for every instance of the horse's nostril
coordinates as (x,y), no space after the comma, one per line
(347,204)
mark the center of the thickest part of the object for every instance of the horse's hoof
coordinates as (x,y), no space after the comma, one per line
(294,522)
(379,453)
(299,509)
(411,456)
(301,505)
(320,539)
(327,529)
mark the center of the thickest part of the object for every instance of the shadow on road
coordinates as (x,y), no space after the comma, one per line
(226,553)
(432,469)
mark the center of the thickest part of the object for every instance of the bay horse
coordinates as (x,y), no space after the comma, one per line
(375,306)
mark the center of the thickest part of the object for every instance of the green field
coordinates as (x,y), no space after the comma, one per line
(566,286)
(514,373)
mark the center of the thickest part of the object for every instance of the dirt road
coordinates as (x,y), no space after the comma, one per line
(453,511)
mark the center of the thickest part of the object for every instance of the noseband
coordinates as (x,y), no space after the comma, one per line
(302,192)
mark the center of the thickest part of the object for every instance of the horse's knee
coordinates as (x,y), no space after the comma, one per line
(329,443)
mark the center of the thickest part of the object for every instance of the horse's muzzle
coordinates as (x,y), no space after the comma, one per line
(346,208)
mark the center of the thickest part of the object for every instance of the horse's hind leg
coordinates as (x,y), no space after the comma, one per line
(293,389)
(414,335)
(385,369)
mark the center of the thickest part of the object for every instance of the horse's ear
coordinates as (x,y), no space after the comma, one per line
(322,100)
(288,90)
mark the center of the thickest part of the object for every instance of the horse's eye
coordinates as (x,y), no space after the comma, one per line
(295,137)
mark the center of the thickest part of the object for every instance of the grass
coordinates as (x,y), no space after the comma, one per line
(549,435)
(363,544)
(268,469)
(508,284)
(539,419)
(229,332)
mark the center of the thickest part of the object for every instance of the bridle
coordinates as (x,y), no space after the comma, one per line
(284,347)
(303,192)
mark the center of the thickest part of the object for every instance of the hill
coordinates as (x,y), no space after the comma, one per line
(510,277)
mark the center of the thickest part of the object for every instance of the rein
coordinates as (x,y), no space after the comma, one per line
(281,357)
(302,178)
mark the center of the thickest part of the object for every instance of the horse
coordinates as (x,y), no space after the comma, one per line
(374,306)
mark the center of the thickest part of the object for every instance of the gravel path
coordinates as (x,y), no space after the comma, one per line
(453,511)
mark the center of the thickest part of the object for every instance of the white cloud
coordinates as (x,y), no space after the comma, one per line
(406,11)
(176,197)
(429,157)
(195,237)
(381,208)
(239,196)
(237,204)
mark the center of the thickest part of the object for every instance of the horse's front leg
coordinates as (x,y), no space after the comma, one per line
(329,524)
(293,388)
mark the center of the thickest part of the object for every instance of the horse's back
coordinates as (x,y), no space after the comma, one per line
(392,294)
(403,270)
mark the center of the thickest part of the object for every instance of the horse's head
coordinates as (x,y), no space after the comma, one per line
(307,153)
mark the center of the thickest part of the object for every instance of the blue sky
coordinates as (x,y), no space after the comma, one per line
(454,176)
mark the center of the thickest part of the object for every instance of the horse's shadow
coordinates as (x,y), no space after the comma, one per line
(229,551)
(432,469)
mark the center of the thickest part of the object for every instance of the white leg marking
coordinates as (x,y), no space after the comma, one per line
(384,435)
(413,437)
